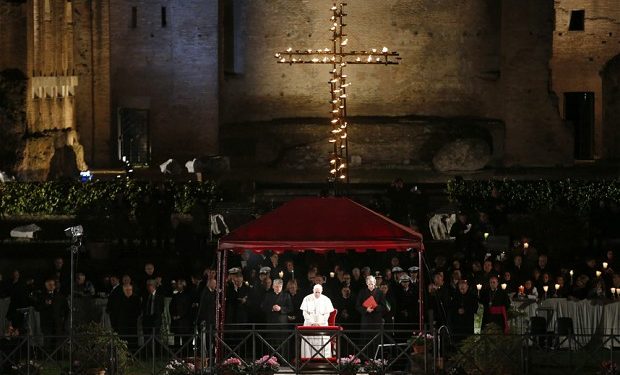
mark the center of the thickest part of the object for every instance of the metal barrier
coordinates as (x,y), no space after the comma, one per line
(488,353)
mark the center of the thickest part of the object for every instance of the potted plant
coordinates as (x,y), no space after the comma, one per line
(349,365)
(97,349)
(375,366)
(266,365)
(179,367)
(421,341)
(232,366)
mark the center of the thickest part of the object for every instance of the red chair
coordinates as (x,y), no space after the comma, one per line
(328,330)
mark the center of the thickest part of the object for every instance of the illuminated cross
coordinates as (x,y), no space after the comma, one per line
(339,59)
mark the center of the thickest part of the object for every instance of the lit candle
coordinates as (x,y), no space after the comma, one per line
(503,286)
(281,274)
(557,286)
(246,283)
(486,235)
(613,292)
(479,287)
(598,273)
(605,264)
(571,276)
(546,288)
(331,274)
(521,290)
(526,245)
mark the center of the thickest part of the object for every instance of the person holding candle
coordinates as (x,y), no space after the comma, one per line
(496,304)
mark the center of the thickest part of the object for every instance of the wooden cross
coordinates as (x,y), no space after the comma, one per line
(339,59)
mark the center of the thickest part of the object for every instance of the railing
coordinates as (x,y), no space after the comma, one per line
(489,353)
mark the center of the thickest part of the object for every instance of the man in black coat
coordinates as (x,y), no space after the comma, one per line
(496,304)
(152,309)
(463,308)
(127,306)
(52,307)
(237,299)
(114,294)
(206,305)
(181,313)
(277,305)
(406,310)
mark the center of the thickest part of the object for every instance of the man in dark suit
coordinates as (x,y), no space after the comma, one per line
(115,293)
(206,305)
(406,310)
(127,306)
(152,309)
(181,313)
(52,307)
(277,305)
(463,307)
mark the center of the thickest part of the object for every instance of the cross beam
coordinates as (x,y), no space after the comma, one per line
(338,58)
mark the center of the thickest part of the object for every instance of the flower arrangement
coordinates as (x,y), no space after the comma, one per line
(349,365)
(30,367)
(375,366)
(266,364)
(610,368)
(422,339)
(232,365)
(179,367)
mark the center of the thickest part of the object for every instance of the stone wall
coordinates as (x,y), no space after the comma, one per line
(13,47)
(579,58)
(535,134)
(377,142)
(170,70)
(92,65)
(483,59)
(449,48)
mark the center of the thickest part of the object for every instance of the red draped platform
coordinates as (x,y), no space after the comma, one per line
(320,225)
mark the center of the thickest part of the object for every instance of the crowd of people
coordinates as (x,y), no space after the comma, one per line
(269,288)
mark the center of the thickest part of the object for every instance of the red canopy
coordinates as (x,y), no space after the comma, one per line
(322,224)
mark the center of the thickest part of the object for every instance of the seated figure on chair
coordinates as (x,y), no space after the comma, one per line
(316,309)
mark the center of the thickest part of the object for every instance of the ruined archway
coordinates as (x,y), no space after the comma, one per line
(610,76)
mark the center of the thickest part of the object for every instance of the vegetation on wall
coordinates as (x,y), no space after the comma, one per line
(73,197)
(579,196)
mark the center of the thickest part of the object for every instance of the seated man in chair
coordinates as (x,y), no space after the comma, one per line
(316,309)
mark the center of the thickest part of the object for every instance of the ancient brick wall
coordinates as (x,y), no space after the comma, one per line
(579,58)
(170,70)
(13,47)
(535,134)
(92,64)
(450,52)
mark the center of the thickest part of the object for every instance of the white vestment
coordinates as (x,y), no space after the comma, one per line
(316,311)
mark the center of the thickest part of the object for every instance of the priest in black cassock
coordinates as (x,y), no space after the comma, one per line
(496,304)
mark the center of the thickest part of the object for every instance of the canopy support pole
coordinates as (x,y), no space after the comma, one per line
(220,303)
(421,289)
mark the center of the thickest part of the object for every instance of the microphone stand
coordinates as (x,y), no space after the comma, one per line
(76,243)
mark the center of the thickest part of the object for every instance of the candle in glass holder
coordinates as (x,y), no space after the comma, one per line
(571,273)
(281,274)
(526,245)
(557,286)
(598,273)
(605,264)
(546,288)
(486,235)
(331,274)
(503,286)
(479,287)
(521,290)
(613,292)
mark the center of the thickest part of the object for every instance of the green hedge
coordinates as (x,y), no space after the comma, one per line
(534,196)
(73,197)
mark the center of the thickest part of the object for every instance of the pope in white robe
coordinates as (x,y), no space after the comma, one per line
(316,309)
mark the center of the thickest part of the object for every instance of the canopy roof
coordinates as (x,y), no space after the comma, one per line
(322,224)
